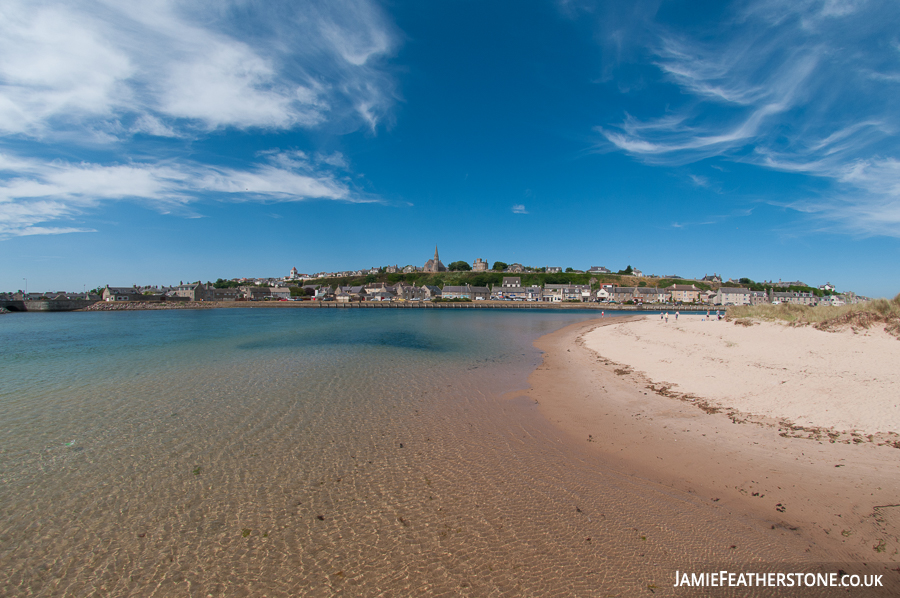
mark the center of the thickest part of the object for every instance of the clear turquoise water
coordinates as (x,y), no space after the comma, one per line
(136,447)
(299,452)
(67,377)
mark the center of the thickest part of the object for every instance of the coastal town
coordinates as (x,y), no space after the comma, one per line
(477,282)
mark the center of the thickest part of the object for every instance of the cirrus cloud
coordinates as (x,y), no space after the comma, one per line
(803,86)
(96,78)
(169,68)
(35,192)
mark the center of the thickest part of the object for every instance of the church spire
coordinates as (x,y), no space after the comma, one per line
(435,255)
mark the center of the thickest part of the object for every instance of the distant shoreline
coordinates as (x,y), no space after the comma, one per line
(140,305)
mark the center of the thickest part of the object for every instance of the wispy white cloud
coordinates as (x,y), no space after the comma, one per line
(96,74)
(714,219)
(801,86)
(40,192)
(692,224)
(700,181)
(335,159)
(519,209)
(170,68)
(689,135)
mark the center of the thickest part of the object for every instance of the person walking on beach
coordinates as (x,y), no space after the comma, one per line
(660,315)
(676,315)
(667,317)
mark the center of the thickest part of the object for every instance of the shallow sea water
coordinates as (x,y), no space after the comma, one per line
(310,453)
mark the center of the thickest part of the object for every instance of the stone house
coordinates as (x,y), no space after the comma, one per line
(480,293)
(684,293)
(380,295)
(377,286)
(192,291)
(430,292)
(758,297)
(834,300)
(557,293)
(456,292)
(254,293)
(357,293)
(651,295)
(516,293)
(732,296)
(621,294)
(121,294)
(407,292)
(279,292)
(795,298)
(211,293)
(466,292)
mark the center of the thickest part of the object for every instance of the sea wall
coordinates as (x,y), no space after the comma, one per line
(61,305)
(71,305)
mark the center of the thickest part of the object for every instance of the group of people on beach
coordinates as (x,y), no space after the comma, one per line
(665,316)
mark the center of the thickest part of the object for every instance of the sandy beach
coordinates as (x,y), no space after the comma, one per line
(663,404)
(844,380)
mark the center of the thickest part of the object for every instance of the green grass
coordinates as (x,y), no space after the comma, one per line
(826,317)
(667,282)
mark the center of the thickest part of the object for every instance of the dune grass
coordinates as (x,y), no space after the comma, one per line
(826,317)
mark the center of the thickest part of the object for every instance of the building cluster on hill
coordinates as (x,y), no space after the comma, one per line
(711,289)
(511,289)
(435,265)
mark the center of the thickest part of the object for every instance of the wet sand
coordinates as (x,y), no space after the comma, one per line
(819,501)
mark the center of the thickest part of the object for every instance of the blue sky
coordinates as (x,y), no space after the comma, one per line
(147,143)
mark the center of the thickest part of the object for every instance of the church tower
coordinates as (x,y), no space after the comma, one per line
(434,265)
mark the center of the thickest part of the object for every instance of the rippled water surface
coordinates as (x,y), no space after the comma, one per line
(298,453)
